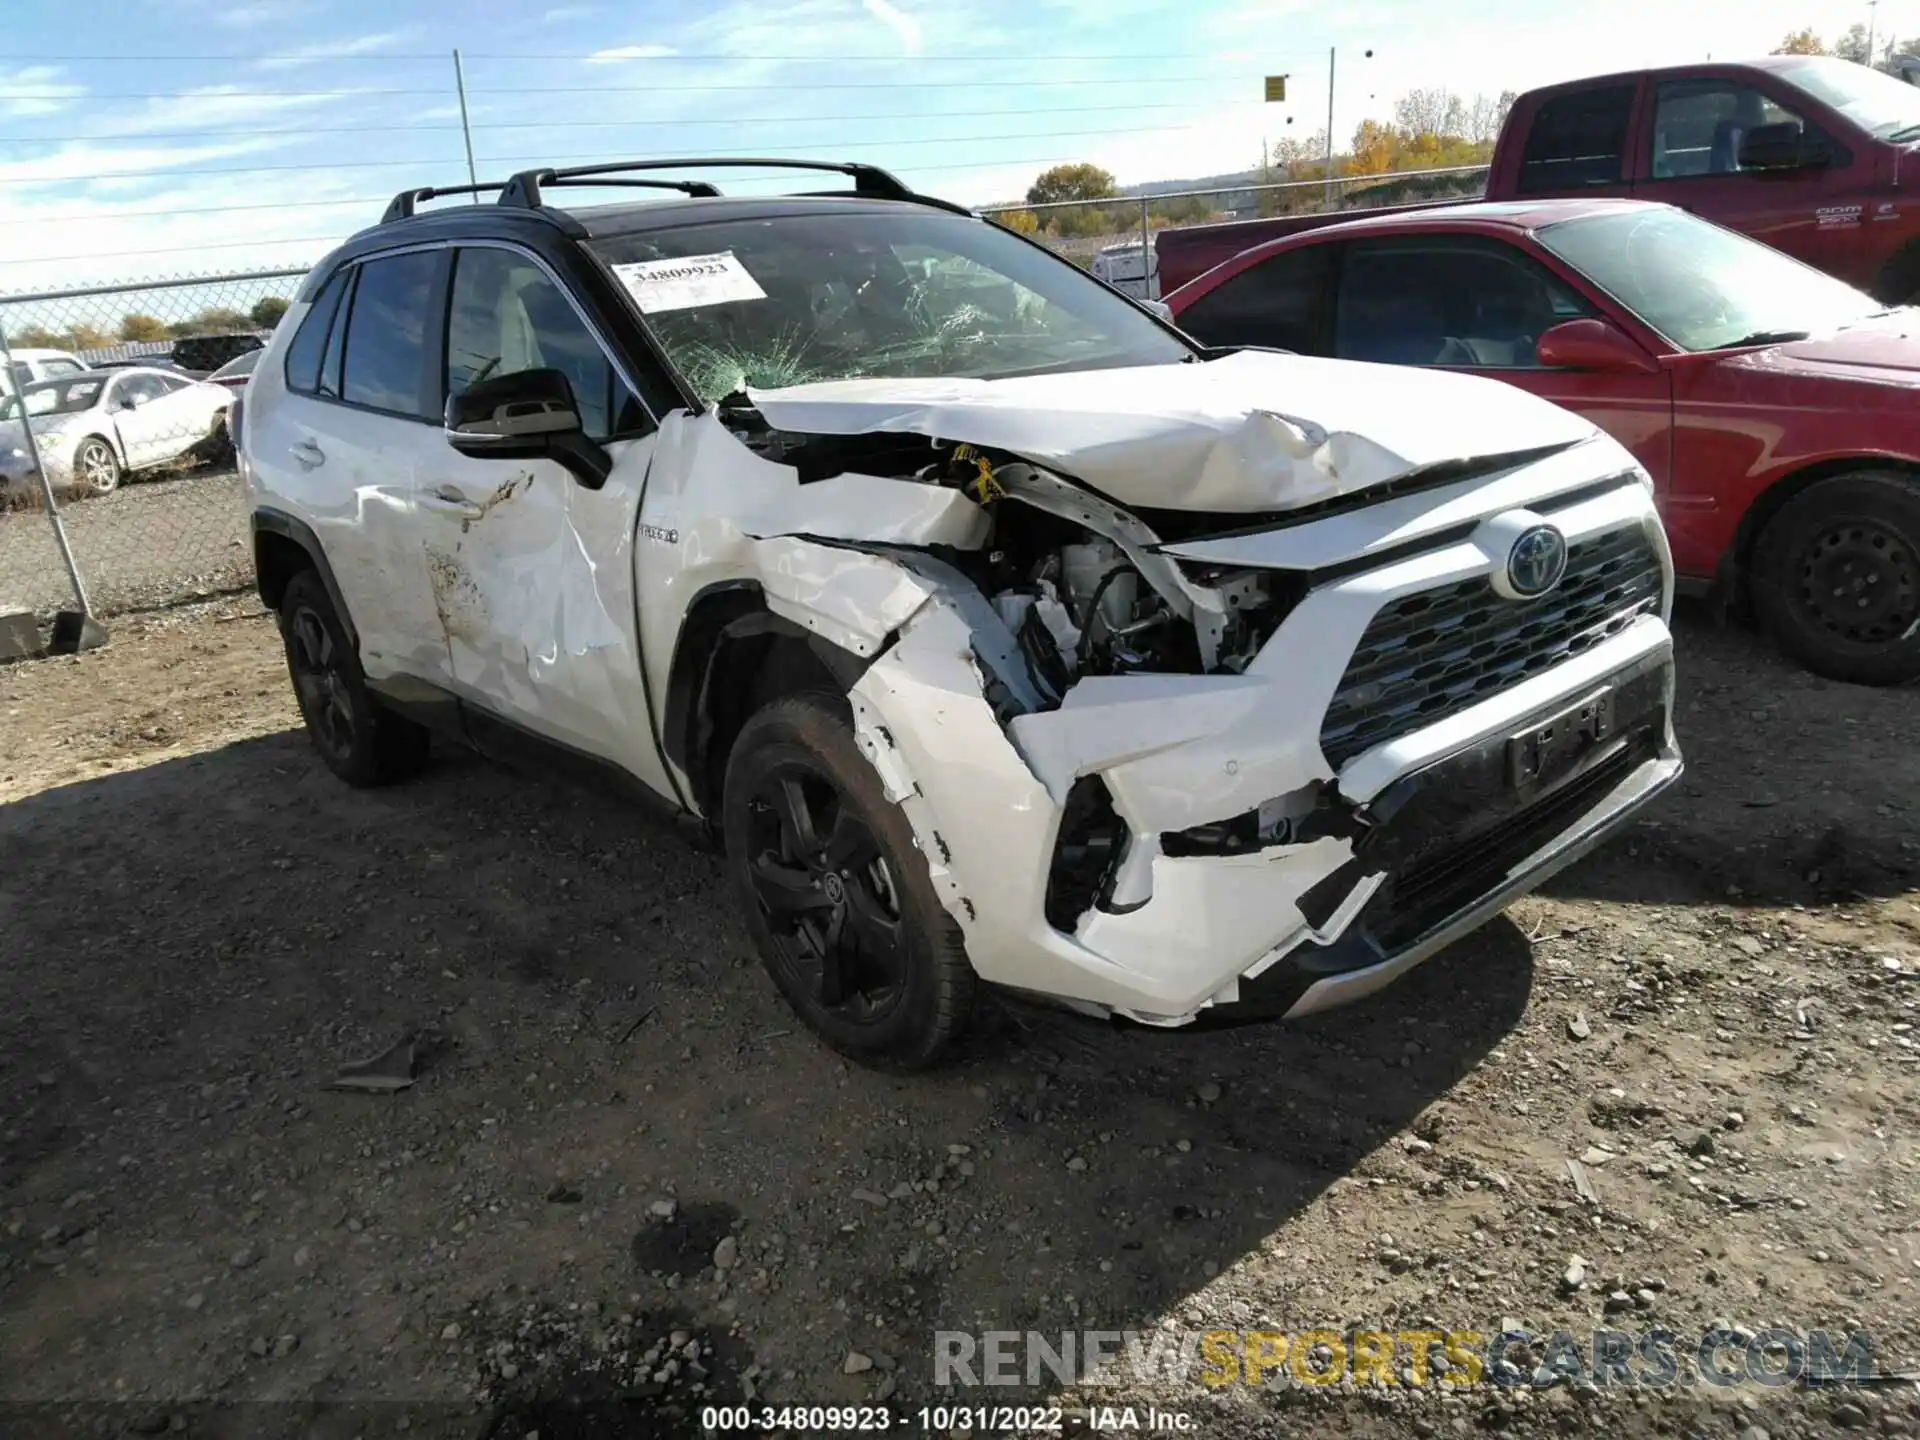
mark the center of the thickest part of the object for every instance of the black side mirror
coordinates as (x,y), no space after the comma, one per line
(1779,147)
(529,415)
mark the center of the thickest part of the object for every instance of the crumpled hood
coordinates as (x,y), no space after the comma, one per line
(1248,432)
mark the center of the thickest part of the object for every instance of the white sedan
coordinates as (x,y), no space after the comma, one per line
(97,427)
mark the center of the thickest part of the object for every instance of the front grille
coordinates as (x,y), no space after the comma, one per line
(1435,653)
(1450,877)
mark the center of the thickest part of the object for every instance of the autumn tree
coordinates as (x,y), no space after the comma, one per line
(1070,182)
(217,319)
(142,327)
(1801,42)
(1855,45)
(37,337)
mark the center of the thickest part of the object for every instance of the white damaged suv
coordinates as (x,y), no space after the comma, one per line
(999,632)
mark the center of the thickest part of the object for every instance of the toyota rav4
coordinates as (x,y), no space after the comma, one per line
(997,632)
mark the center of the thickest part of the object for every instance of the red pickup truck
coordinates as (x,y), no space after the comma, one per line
(1815,156)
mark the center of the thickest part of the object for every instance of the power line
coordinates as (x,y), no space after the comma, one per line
(84,216)
(603,57)
(250,133)
(549,159)
(332,240)
(516,90)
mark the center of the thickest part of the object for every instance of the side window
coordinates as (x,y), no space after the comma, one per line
(384,365)
(310,341)
(1282,302)
(1577,139)
(1698,126)
(139,389)
(62,367)
(507,315)
(1448,301)
(168,384)
(22,373)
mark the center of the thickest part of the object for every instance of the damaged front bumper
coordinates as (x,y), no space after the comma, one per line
(1469,835)
(1378,858)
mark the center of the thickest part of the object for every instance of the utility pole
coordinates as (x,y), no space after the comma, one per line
(466,130)
(1873,8)
(1331,53)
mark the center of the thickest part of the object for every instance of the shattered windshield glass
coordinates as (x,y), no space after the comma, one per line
(791,299)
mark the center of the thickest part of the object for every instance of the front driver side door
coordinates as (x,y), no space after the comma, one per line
(531,571)
(1476,303)
(133,402)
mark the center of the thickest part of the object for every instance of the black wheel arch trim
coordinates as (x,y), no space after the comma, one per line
(719,616)
(269,521)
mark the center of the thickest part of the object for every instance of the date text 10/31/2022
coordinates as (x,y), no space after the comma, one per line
(944,1419)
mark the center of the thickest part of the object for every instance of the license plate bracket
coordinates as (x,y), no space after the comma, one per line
(1547,750)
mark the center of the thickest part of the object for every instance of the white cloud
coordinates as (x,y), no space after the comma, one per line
(559,14)
(896,20)
(47,93)
(211,107)
(81,162)
(344,49)
(631,52)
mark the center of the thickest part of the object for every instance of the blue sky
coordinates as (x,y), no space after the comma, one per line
(201,135)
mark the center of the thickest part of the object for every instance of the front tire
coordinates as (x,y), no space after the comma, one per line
(1836,577)
(360,742)
(96,466)
(836,893)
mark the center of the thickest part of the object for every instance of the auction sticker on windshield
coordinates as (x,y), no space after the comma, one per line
(688,283)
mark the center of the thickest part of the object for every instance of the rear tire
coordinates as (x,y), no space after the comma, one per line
(360,742)
(1836,577)
(836,893)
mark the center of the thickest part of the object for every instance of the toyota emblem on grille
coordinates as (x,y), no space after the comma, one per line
(1537,561)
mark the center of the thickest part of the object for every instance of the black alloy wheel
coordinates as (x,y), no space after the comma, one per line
(825,892)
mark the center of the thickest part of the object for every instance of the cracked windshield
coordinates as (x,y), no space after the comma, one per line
(793,299)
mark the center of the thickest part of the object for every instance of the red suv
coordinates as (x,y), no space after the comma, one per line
(1773,406)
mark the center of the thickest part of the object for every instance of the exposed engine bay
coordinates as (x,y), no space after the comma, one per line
(1077,581)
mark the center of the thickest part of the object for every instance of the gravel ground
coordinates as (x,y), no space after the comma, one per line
(159,539)
(626,1183)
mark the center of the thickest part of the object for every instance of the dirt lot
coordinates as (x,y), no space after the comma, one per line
(163,536)
(200,926)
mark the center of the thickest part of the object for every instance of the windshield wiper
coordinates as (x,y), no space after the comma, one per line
(1764,337)
(1905,132)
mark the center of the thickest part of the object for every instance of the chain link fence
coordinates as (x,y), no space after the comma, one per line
(114,443)
(1113,237)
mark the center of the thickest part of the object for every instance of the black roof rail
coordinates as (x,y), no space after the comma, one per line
(401,206)
(524,189)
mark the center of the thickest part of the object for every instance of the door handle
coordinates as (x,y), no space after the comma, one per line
(449,501)
(309,454)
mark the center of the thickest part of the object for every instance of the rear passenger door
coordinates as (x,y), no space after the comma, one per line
(346,443)
(532,572)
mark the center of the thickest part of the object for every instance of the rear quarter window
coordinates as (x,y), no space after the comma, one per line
(310,340)
(1577,139)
